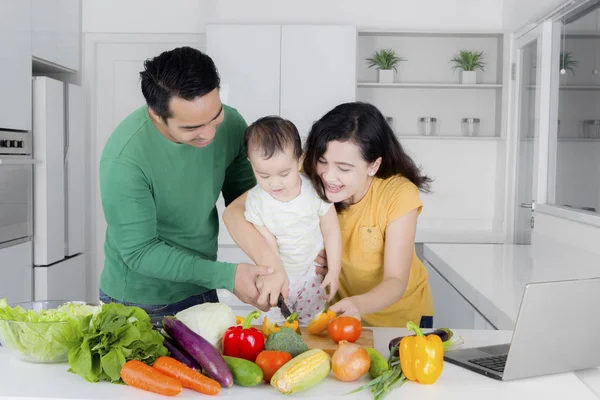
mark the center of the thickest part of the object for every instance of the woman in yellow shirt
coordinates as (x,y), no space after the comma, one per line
(355,161)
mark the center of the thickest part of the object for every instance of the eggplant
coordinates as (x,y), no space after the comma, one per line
(181,355)
(444,333)
(200,350)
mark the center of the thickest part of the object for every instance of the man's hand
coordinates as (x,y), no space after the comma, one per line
(346,308)
(244,285)
(270,287)
(321,262)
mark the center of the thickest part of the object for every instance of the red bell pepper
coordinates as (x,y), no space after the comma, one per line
(244,341)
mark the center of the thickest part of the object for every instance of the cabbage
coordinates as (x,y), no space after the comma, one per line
(36,337)
(209,320)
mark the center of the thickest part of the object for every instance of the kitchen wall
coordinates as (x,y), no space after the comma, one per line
(191,16)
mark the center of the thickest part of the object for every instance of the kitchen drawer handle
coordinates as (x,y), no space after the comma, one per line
(16,161)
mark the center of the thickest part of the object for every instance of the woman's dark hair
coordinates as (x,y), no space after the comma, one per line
(363,124)
(183,72)
(271,135)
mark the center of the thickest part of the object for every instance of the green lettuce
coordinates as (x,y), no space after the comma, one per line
(117,334)
(47,335)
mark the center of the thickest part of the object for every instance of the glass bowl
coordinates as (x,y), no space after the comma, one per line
(39,342)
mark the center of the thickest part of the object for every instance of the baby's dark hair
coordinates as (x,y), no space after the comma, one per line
(272,134)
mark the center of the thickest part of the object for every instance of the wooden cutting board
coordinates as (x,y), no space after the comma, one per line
(323,341)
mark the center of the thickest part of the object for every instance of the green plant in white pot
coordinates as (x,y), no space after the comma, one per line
(469,62)
(385,61)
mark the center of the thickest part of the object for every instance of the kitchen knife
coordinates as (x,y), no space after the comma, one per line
(283,307)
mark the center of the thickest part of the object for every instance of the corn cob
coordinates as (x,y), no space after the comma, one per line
(302,372)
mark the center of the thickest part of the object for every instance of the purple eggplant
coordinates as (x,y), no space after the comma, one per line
(200,350)
(181,355)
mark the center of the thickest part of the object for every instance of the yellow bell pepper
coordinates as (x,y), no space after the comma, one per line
(421,358)
(270,327)
(320,322)
(239,320)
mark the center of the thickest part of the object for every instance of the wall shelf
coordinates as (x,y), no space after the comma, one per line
(425,85)
(448,137)
(568,139)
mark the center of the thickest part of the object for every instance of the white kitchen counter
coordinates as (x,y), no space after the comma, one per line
(493,277)
(20,380)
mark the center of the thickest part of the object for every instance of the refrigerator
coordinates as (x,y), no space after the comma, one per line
(58,190)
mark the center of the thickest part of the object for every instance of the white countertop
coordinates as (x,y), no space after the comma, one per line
(493,277)
(21,380)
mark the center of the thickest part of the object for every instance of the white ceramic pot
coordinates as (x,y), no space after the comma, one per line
(468,77)
(386,75)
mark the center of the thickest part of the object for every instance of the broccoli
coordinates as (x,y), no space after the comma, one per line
(286,340)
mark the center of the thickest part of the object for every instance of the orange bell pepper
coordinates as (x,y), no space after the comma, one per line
(320,322)
(421,358)
(270,327)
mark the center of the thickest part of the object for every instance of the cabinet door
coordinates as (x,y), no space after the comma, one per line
(16,270)
(248,57)
(56,31)
(75,171)
(44,29)
(15,58)
(68,34)
(49,171)
(318,71)
(62,281)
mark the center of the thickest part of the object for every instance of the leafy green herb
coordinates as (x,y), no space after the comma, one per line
(117,334)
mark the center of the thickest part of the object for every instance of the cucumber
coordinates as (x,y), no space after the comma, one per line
(245,373)
(378,363)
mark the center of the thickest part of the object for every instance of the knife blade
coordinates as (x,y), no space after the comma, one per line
(285,310)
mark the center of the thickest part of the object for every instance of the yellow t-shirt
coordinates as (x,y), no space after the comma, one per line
(363,228)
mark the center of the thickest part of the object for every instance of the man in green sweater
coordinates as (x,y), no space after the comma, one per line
(161,173)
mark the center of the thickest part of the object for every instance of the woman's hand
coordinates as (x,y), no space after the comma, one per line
(321,262)
(346,308)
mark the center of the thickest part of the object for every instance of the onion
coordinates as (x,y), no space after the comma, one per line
(350,361)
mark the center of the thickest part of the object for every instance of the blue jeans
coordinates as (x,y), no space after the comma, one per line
(426,322)
(158,311)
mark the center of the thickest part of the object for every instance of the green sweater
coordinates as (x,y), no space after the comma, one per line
(159,203)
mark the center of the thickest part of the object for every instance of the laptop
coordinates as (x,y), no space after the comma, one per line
(556,331)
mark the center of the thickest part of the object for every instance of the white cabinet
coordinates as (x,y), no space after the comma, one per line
(48,173)
(317,71)
(297,71)
(16,273)
(62,281)
(451,309)
(56,32)
(15,59)
(248,60)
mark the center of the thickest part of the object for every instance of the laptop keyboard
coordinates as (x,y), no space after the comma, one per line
(495,363)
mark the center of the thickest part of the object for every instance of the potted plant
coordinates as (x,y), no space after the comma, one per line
(567,63)
(469,62)
(385,61)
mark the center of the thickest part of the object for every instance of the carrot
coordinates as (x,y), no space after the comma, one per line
(188,377)
(139,375)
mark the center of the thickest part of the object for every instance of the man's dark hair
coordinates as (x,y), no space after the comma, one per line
(271,135)
(183,72)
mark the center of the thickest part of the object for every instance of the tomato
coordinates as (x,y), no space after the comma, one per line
(270,361)
(344,328)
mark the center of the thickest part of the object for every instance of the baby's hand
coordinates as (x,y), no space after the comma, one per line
(332,279)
